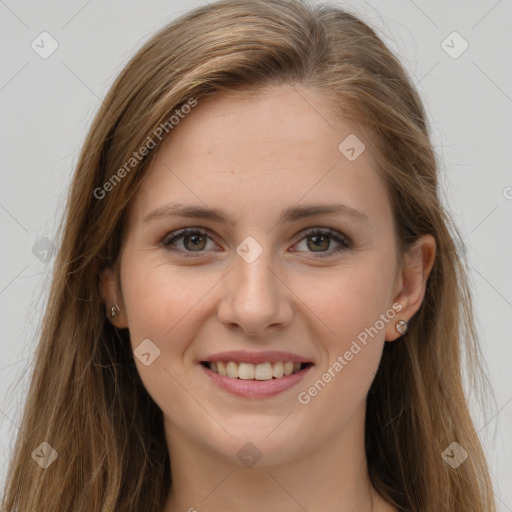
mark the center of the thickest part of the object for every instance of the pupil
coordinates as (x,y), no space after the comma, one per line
(317,237)
(195,242)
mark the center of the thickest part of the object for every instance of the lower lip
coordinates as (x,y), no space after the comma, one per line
(256,388)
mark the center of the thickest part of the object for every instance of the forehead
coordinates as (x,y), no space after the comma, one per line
(260,152)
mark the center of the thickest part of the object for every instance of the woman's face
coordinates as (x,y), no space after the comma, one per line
(270,284)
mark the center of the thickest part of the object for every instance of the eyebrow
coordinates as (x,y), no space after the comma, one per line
(292,213)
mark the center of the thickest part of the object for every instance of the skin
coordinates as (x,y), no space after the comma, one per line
(253,156)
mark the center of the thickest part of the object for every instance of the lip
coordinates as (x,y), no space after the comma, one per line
(242,356)
(256,388)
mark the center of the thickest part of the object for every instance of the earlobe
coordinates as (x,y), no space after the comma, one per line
(114,306)
(418,263)
(396,329)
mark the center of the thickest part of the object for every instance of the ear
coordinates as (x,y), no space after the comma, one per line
(111,294)
(411,281)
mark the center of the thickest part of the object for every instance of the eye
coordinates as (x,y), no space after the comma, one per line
(321,239)
(194,240)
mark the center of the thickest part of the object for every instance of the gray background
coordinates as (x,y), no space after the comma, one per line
(47,106)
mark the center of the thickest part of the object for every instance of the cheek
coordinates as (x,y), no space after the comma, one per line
(354,305)
(361,298)
(160,302)
(350,298)
(163,306)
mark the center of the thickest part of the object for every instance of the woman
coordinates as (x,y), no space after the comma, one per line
(257,303)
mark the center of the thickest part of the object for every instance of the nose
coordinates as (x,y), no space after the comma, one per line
(255,298)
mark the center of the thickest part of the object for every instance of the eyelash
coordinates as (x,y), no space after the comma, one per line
(334,235)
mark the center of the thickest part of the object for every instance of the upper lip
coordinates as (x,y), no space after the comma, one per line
(242,356)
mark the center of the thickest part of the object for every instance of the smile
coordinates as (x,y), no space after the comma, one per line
(249,371)
(252,375)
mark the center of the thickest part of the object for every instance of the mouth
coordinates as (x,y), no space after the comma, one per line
(255,372)
(258,379)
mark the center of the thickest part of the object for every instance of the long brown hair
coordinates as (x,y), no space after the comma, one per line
(86,399)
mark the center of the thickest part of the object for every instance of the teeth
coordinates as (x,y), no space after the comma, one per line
(248,371)
(263,371)
(232,369)
(278,370)
(221,368)
(245,371)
